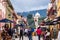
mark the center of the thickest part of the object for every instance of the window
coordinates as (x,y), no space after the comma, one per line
(9,14)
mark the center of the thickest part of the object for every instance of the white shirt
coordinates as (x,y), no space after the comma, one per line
(26,30)
(48,33)
(59,35)
(15,31)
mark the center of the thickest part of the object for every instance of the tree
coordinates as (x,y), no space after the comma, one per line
(30,19)
(29,16)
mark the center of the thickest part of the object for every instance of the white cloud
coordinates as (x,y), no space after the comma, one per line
(31,9)
(38,8)
(29,5)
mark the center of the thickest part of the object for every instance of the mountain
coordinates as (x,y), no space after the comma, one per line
(41,12)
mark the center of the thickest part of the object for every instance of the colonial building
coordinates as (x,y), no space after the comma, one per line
(11,15)
(2,11)
(58,10)
(7,11)
(52,13)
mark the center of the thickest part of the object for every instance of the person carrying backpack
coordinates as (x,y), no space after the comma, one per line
(30,34)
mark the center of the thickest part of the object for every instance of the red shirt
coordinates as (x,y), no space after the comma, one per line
(39,31)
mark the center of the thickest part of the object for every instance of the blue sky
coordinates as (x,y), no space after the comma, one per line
(29,5)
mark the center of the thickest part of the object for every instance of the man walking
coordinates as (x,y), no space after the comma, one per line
(30,34)
(21,33)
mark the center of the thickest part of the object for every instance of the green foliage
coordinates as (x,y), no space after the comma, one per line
(41,19)
(30,21)
(29,16)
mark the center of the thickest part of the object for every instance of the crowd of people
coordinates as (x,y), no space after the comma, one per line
(45,34)
(12,33)
(6,33)
(9,33)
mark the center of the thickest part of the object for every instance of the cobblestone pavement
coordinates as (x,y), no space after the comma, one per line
(26,38)
(34,38)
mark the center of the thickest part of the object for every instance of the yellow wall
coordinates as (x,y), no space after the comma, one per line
(8,12)
(9,16)
(58,8)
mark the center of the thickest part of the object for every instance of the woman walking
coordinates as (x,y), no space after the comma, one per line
(39,31)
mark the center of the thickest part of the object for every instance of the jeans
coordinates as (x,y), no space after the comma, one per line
(38,37)
(21,36)
(30,37)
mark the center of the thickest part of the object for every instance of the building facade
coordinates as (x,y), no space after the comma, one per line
(51,16)
(58,10)
(2,11)
(7,11)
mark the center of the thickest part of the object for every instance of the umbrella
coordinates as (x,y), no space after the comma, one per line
(6,21)
(51,23)
(48,22)
(58,18)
